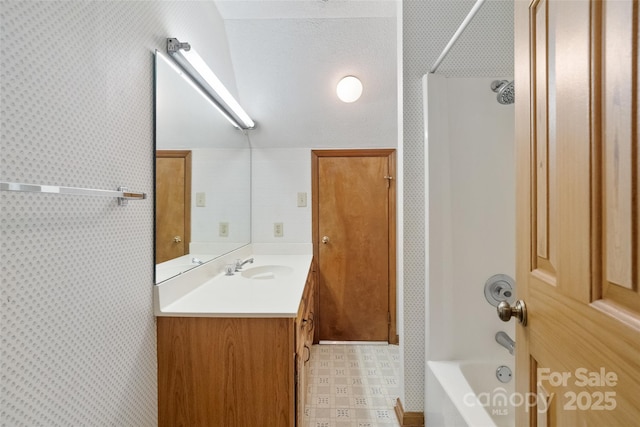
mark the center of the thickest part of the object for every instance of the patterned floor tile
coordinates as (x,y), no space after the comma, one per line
(352,385)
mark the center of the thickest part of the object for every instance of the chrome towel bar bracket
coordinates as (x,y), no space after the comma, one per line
(123,194)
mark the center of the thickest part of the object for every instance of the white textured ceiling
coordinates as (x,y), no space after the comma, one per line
(288,57)
(300,9)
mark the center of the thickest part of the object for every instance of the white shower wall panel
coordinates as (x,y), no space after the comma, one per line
(482,177)
(471,215)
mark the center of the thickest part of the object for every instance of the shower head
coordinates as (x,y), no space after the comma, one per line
(505,91)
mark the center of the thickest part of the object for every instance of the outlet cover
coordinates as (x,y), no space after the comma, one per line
(278,229)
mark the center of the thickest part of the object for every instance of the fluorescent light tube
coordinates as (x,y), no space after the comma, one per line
(198,88)
(195,66)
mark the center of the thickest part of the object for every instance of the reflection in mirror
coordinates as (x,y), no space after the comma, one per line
(203,176)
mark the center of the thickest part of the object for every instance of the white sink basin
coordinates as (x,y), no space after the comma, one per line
(266,272)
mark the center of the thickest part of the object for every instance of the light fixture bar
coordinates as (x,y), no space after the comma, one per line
(198,88)
(199,71)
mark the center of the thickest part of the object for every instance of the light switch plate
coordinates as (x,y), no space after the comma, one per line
(302,200)
(201,200)
(223,229)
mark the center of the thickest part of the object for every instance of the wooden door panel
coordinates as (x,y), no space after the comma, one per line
(578,208)
(561,185)
(173,199)
(617,119)
(569,340)
(544,139)
(619,163)
(573,150)
(353,212)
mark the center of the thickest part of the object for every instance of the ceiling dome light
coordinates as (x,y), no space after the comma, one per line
(349,89)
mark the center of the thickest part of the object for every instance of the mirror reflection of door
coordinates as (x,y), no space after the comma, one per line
(173,204)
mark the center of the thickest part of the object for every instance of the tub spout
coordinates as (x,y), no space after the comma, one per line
(504,340)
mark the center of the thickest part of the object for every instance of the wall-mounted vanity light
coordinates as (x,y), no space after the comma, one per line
(197,69)
(349,89)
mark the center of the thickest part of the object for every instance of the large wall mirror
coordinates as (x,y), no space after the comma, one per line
(203,177)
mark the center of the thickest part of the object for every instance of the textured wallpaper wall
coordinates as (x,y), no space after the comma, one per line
(484,50)
(77,332)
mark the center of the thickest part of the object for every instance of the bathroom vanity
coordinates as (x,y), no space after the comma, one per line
(234,351)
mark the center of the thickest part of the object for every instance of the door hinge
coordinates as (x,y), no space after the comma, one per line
(388,178)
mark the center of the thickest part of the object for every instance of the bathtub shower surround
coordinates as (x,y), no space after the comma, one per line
(470,225)
(470,394)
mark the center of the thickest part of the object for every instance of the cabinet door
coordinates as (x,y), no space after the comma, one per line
(312,301)
(302,358)
(302,383)
(231,372)
(304,339)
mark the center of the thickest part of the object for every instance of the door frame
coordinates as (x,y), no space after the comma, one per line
(186,155)
(393,337)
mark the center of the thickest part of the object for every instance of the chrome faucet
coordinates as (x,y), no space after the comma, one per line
(240,263)
(504,340)
(196,261)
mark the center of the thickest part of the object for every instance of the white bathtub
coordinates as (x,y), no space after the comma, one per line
(468,394)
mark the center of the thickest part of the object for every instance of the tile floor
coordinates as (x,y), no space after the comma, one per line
(353,385)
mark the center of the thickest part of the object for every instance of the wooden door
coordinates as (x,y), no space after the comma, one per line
(578,235)
(173,204)
(354,242)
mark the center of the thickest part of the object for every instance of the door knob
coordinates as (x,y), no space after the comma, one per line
(177,239)
(325,239)
(519,311)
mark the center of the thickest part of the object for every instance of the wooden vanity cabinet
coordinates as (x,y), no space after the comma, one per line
(304,339)
(235,372)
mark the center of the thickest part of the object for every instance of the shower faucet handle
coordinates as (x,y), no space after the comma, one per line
(519,311)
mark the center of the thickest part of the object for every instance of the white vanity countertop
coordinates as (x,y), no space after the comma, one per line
(238,296)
